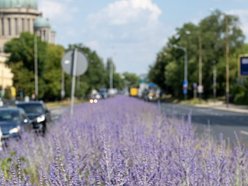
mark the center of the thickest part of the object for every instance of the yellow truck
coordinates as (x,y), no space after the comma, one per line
(133,92)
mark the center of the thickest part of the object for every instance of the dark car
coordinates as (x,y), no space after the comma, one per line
(103,92)
(13,121)
(37,113)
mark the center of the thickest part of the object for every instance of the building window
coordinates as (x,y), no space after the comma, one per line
(16,27)
(9,26)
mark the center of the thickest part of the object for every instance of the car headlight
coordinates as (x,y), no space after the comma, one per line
(14,130)
(41,118)
(91,100)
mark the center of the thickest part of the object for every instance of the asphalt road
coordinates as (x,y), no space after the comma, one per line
(231,125)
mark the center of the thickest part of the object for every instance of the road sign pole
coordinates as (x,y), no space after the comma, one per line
(62,85)
(74,67)
(75,64)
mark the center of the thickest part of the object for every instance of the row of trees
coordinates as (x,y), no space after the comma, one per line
(21,62)
(217,40)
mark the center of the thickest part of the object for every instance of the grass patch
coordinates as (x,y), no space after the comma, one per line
(63,103)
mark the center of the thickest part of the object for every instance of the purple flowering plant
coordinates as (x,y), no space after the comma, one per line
(122,141)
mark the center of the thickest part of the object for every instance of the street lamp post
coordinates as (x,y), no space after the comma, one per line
(62,85)
(185,83)
(214,79)
(200,87)
(111,76)
(35,67)
(227,59)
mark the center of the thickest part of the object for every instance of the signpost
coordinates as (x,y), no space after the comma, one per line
(185,88)
(243,64)
(75,64)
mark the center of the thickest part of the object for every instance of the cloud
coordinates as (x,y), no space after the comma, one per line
(61,14)
(57,10)
(128,11)
(93,45)
(243,15)
(129,30)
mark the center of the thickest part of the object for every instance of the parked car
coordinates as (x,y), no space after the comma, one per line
(38,113)
(103,92)
(94,96)
(13,121)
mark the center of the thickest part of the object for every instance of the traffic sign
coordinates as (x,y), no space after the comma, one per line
(200,89)
(75,64)
(76,58)
(185,87)
(185,91)
(185,83)
(243,65)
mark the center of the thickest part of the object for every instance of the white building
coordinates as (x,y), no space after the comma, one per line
(17,16)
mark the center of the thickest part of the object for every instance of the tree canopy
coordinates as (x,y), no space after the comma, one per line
(50,74)
(206,43)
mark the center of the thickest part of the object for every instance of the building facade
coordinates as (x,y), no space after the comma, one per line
(17,16)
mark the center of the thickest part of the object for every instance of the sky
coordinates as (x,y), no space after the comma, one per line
(131,32)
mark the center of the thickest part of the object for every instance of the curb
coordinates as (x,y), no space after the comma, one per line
(224,108)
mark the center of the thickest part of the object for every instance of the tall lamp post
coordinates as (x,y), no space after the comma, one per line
(35,67)
(214,79)
(111,76)
(185,82)
(200,86)
(227,59)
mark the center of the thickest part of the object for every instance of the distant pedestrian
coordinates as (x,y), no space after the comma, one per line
(33,97)
(1,102)
(1,144)
(26,98)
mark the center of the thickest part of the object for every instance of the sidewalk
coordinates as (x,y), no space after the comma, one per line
(223,106)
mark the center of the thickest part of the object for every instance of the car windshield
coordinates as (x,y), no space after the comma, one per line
(9,115)
(32,108)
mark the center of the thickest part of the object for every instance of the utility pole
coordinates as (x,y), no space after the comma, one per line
(227,60)
(185,83)
(185,71)
(214,79)
(111,75)
(200,87)
(36,67)
(62,85)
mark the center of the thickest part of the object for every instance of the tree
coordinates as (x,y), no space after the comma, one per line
(21,62)
(219,30)
(131,79)
(52,72)
(94,78)
(205,44)
(156,71)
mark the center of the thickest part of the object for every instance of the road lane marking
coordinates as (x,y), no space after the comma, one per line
(244,132)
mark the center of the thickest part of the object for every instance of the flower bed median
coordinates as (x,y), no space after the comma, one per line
(121,141)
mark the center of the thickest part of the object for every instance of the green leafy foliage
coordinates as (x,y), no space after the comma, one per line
(21,61)
(206,42)
(131,79)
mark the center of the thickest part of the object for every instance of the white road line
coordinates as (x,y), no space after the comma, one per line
(244,132)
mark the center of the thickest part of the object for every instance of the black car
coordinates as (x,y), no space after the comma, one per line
(103,92)
(13,121)
(37,113)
